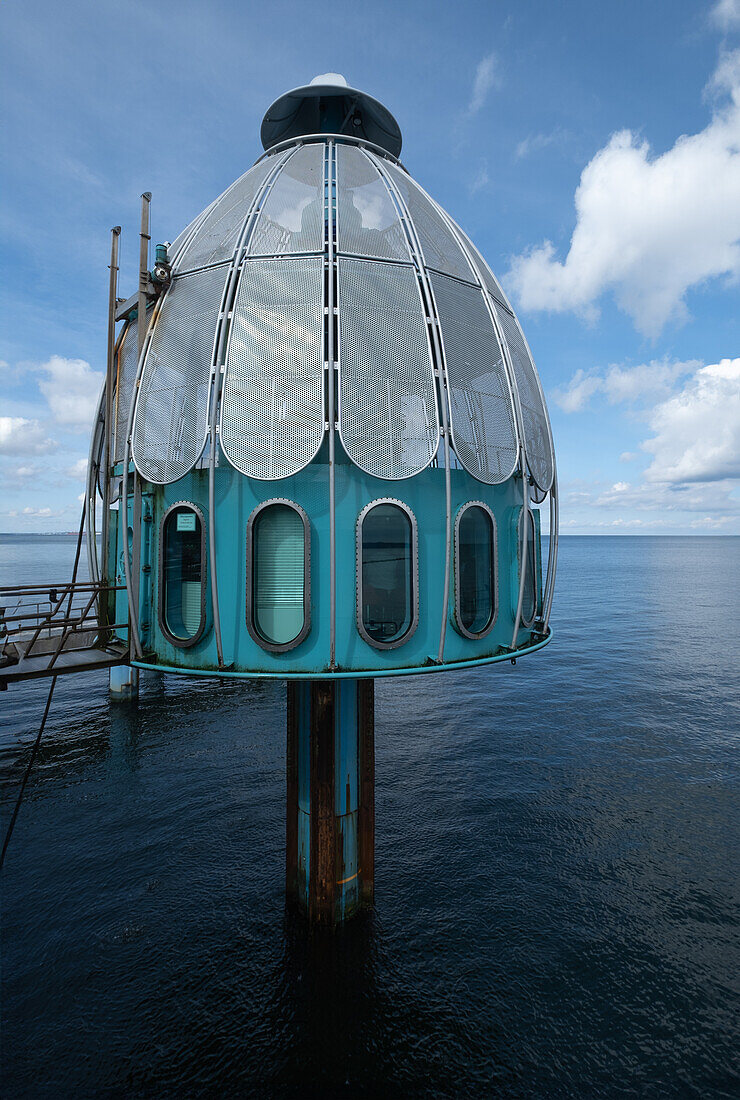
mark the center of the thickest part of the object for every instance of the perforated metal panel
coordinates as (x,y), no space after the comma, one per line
(216,237)
(388,419)
(483,423)
(534,415)
(292,217)
(368,223)
(128,358)
(441,251)
(171,409)
(272,408)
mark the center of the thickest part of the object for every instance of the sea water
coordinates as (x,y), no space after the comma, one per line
(557,867)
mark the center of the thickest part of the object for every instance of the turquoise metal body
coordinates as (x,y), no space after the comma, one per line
(237,496)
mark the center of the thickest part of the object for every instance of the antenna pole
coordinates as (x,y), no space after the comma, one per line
(144,238)
(109,373)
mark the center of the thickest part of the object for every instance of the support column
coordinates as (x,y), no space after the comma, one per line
(123,682)
(330,811)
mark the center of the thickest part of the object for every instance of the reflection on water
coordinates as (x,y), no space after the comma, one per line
(556,897)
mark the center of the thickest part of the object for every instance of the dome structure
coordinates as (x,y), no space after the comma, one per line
(333,373)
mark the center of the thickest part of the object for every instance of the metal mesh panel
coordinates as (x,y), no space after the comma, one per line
(534,415)
(272,409)
(128,359)
(171,409)
(216,238)
(441,251)
(388,413)
(292,217)
(483,425)
(367,219)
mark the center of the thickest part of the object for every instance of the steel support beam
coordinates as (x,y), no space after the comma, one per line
(123,683)
(330,807)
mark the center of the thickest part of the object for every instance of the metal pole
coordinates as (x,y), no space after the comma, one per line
(91,490)
(130,566)
(144,239)
(442,383)
(526,519)
(552,557)
(444,396)
(331,357)
(108,427)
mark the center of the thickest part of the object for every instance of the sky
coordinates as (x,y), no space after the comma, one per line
(592,152)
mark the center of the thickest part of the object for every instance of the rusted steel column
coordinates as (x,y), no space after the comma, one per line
(330,798)
(323,881)
(291,801)
(366,825)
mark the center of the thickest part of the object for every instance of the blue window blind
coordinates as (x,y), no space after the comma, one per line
(278,574)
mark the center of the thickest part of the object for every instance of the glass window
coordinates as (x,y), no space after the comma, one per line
(182,575)
(529,602)
(279,575)
(387,598)
(476,570)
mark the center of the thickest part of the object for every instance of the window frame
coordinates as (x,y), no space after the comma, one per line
(528,623)
(414,574)
(182,643)
(274,647)
(494,565)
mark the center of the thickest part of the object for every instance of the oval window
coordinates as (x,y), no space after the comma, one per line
(529,601)
(387,574)
(475,575)
(279,568)
(182,575)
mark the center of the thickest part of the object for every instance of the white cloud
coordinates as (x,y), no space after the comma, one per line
(42,513)
(78,471)
(726,14)
(693,480)
(648,227)
(21,436)
(711,523)
(697,431)
(579,391)
(71,388)
(628,385)
(486,77)
(535,142)
(480,179)
(661,497)
(649,506)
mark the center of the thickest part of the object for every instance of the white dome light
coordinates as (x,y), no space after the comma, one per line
(330,78)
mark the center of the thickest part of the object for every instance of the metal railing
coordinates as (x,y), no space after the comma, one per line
(69,615)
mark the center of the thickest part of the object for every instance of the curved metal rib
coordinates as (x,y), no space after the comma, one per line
(442,385)
(217,369)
